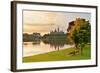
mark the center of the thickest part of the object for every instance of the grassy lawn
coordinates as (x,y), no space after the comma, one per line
(61,55)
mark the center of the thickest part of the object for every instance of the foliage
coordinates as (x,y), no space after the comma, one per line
(82,35)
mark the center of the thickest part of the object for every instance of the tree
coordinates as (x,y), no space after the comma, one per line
(82,35)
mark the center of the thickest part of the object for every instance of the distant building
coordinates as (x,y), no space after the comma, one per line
(36,35)
(31,37)
(57,31)
(56,34)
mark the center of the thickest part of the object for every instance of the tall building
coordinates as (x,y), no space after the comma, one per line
(57,31)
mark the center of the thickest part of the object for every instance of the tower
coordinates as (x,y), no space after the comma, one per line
(58,29)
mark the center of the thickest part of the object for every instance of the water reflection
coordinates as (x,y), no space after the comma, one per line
(36,44)
(43,46)
(55,43)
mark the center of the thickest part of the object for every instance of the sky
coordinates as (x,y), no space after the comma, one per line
(45,21)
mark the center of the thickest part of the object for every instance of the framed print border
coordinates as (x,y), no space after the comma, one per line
(14,34)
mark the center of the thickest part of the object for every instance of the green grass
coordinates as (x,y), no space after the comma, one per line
(60,55)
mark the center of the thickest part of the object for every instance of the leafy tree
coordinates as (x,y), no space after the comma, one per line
(82,35)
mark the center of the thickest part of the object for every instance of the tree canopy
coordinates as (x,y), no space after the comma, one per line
(80,33)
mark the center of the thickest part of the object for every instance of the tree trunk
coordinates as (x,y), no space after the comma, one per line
(76,46)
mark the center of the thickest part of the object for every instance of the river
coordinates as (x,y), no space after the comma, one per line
(31,48)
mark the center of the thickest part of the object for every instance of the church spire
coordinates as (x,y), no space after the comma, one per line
(58,29)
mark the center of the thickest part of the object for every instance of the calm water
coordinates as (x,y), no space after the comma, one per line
(34,48)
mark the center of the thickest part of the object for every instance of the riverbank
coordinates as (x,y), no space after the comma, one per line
(65,54)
